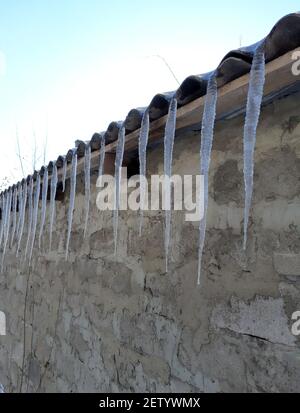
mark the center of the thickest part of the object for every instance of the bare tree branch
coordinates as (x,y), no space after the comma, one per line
(19,153)
(168,66)
(45,147)
(34,155)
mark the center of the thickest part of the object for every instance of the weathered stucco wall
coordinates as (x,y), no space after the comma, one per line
(97,323)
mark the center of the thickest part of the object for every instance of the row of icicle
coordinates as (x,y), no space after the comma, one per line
(254,100)
(25,196)
(28,194)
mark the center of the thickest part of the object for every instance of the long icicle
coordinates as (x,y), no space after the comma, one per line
(207,134)
(7,226)
(20,201)
(143,142)
(118,171)
(35,213)
(54,180)
(101,161)
(44,204)
(14,216)
(168,158)
(30,216)
(72,199)
(64,174)
(22,212)
(255,95)
(2,218)
(87,186)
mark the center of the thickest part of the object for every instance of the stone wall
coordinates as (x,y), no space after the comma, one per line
(100,323)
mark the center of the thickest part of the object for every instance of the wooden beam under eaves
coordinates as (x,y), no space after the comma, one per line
(231,97)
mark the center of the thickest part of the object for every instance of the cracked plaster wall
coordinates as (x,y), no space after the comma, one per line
(100,323)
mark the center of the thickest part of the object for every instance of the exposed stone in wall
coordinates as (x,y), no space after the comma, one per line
(287,264)
(105,323)
(262,318)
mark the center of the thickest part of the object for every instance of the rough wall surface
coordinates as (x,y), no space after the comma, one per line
(100,323)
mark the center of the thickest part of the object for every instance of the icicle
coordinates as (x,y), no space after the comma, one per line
(143,141)
(168,157)
(87,185)
(14,216)
(44,204)
(19,203)
(52,201)
(30,215)
(72,199)
(2,218)
(118,170)
(255,94)
(207,134)
(5,204)
(22,212)
(64,175)
(6,225)
(35,213)
(102,159)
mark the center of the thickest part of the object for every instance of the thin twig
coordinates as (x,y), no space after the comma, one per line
(19,153)
(34,156)
(54,340)
(31,341)
(167,65)
(24,329)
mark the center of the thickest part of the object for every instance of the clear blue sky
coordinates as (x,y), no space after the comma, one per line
(69,67)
